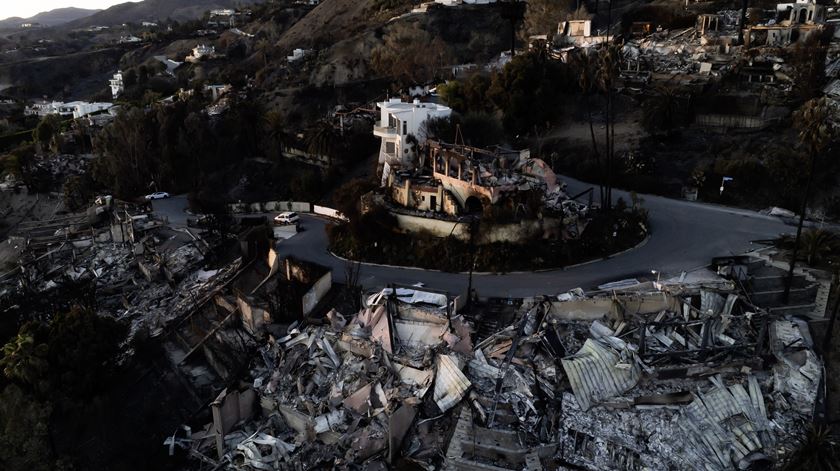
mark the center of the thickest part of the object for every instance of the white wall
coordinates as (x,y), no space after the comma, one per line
(316,293)
(329,212)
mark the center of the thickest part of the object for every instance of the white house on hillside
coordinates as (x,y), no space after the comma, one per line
(452,3)
(297,54)
(398,121)
(201,51)
(117,85)
(76,109)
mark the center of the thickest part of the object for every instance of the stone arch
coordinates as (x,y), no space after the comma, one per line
(473,205)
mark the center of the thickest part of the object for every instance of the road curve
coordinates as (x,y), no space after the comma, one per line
(684,235)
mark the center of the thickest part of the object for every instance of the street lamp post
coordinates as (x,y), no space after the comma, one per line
(723,182)
(473,230)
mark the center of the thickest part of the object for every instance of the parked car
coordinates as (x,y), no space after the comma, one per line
(158,195)
(288,217)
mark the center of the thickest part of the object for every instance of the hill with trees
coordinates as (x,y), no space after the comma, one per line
(152,10)
(56,17)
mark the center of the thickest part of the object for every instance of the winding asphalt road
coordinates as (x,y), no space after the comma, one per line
(684,235)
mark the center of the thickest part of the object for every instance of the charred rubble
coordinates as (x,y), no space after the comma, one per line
(679,375)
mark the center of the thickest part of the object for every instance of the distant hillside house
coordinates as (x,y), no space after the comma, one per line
(148,24)
(117,86)
(222,12)
(452,3)
(76,109)
(221,17)
(297,54)
(129,39)
(216,91)
(399,121)
(200,52)
(170,64)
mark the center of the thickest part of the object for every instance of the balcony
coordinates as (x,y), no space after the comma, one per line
(384,131)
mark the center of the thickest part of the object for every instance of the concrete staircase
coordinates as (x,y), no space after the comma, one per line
(765,285)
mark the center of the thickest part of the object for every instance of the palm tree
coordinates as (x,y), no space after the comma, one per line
(274,126)
(82,131)
(323,139)
(609,66)
(817,244)
(815,132)
(818,451)
(265,49)
(586,65)
(664,109)
(24,359)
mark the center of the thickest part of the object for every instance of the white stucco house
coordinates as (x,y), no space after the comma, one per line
(399,120)
(201,51)
(76,109)
(117,85)
(452,3)
(296,55)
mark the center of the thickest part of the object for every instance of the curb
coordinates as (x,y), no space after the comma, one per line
(489,273)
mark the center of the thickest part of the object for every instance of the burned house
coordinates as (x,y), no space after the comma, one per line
(793,22)
(279,290)
(579,33)
(505,186)
(683,373)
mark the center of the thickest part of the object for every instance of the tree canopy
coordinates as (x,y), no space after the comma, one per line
(411,55)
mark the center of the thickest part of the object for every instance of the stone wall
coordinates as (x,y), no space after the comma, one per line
(513,232)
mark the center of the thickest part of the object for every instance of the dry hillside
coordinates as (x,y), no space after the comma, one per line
(333,21)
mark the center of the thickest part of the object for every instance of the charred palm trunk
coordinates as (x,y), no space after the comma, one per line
(796,242)
(744,5)
(609,118)
(594,147)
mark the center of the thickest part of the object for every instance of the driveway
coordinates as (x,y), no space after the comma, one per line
(173,209)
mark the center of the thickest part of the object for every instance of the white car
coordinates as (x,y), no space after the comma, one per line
(158,195)
(288,217)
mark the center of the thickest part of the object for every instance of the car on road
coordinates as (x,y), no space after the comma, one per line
(289,217)
(158,195)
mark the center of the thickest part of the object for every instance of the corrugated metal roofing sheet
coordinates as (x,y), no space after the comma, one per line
(722,425)
(597,373)
(450,383)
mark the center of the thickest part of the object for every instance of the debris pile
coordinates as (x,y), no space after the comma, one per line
(642,380)
(138,269)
